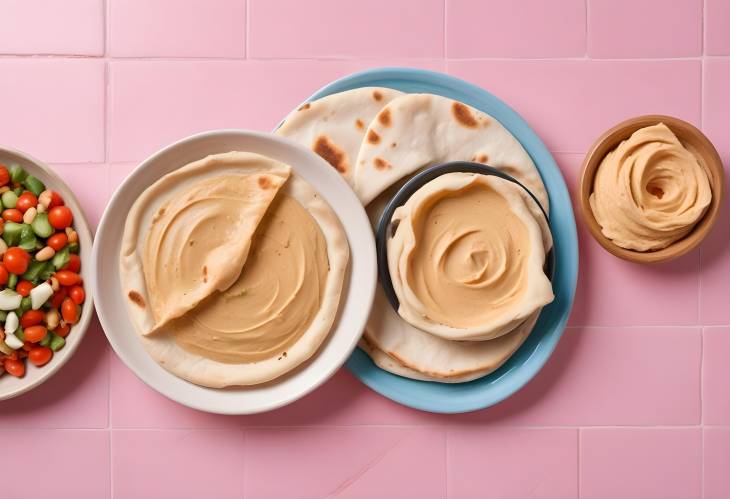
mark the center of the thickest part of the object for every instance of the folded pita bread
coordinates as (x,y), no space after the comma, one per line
(418,130)
(335,126)
(162,345)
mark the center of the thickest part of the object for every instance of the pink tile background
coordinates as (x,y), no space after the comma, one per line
(634,402)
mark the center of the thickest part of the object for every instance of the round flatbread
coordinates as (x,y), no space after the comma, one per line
(414,131)
(161,341)
(335,126)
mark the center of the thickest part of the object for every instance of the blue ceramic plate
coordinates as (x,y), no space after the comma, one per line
(532,355)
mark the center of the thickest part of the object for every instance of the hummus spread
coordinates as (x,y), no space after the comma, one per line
(275,298)
(467,254)
(650,191)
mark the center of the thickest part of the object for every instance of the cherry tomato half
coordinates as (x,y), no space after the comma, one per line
(23,287)
(13,215)
(77,294)
(31,318)
(4,175)
(74,263)
(57,241)
(62,330)
(4,275)
(40,355)
(70,311)
(58,298)
(34,334)
(60,217)
(14,367)
(26,201)
(67,278)
(56,200)
(16,260)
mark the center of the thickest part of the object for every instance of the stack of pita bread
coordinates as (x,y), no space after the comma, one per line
(377,138)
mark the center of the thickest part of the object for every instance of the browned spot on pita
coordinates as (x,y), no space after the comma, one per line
(304,107)
(331,153)
(482,158)
(373,137)
(384,117)
(205,273)
(377,95)
(264,182)
(359,124)
(284,354)
(393,144)
(381,164)
(159,215)
(463,115)
(136,299)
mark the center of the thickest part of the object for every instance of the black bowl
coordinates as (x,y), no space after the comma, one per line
(409,188)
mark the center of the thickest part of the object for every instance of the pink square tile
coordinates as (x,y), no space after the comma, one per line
(53,109)
(174,28)
(715,257)
(512,463)
(570,103)
(135,405)
(179,98)
(525,28)
(177,464)
(77,396)
(610,376)
(74,27)
(90,183)
(56,463)
(345,462)
(717,27)
(640,463)
(716,449)
(715,376)
(650,28)
(336,28)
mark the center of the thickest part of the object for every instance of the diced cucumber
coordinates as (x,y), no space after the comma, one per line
(20,334)
(25,305)
(73,247)
(18,191)
(47,271)
(46,340)
(9,199)
(57,342)
(17,173)
(12,281)
(34,185)
(28,240)
(3,315)
(41,225)
(34,271)
(61,258)
(12,233)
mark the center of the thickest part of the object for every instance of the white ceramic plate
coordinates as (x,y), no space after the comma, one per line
(34,376)
(356,299)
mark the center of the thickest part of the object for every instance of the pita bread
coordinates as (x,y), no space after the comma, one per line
(418,130)
(435,358)
(335,126)
(162,346)
(171,292)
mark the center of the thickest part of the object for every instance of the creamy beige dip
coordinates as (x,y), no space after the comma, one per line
(466,257)
(650,191)
(274,300)
(468,263)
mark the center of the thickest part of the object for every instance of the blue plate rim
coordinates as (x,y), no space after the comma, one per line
(482,397)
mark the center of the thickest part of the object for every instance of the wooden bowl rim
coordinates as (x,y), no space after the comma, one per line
(607,142)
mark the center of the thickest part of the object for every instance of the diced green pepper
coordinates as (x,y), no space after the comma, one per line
(17,173)
(12,233)
(57,342)
(3,315)
(20,334)
(25,305)
(73,247)
(41,225)
(61,258)
(47,271)
(27,238)
(9,199)
(12,281)
(18,191)
(34,185)
(33,273)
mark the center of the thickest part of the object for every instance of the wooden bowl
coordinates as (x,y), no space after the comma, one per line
(696,142)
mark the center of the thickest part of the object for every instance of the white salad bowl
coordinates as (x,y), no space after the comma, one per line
(11,386)
(355,303)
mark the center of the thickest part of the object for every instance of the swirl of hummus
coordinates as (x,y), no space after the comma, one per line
(275,298)
(467,256)
(650,191)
